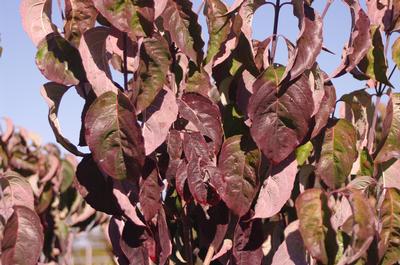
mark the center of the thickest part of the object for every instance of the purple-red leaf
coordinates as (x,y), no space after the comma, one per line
(237,183)
(196,179)
(204,115)
(309,42)
(280,115)
(181,22)
(276,189)
(159,117)
(92,49)
(36,19)
(114,136)
(22,238)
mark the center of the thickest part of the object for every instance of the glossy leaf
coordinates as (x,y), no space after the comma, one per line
(338,153)
(390,147)
(181,22)
(114,136)
(238,181)
(53,93)
(154,64)
(280,115)
(196,179)
(389,250)
(36,19)
(16,190)
(59,61)
(92,49)
(133,17)
(276,189)
(23,238)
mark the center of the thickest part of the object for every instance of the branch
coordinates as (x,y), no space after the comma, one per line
(277,8)
(125,38)
(327,5)
(371,133)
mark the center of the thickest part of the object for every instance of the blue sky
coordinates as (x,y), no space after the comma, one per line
(20,80)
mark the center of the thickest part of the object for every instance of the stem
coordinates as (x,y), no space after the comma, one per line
(187,237)
(210,253)
(125,55)
(200,7)
(327,5)
(277,8)
(371,133)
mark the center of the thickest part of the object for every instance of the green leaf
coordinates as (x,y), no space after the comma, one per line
(67,175)
(155,60)
(374,64)
(303,152)
(181,22)
(313,214)
(218,27)
(59,61)
(389,244)
(114,136)
(338,153)
(390,146)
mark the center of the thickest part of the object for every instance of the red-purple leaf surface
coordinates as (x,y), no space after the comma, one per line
(159,117)
(196,179)
(132,245)
(181,22)
(92,49)
(95,187)
(325,107)
(338,153)
(163,237)
(276,189)
(80,16)
(36,19)
(114,136)
(313,214)
(359,42)
(134,17)
(194,145)
(16,190)
(247,243)
(204,115)
(53,93)
(280,115)
(174,144)
(22,238)
(292,250)
(59,61)
(308,44)
(150,190)
(180,178)
(238,182)
(155,60)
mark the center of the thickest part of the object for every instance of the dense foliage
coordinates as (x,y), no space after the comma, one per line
(40,210)
(220,154)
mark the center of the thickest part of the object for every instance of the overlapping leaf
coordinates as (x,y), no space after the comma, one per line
(114,136)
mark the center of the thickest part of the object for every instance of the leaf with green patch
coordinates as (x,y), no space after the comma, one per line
(114,136)
(389,244)
(59,61)
(155,60)
(338,153)
(390,146)
(303,152)
(181,22)
(396,52)
(238,181)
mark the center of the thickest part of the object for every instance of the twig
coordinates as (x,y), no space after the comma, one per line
(187,237)
(210,253)
(200,7)
(327,5)
(371,133)
(125,38)
(277,8)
